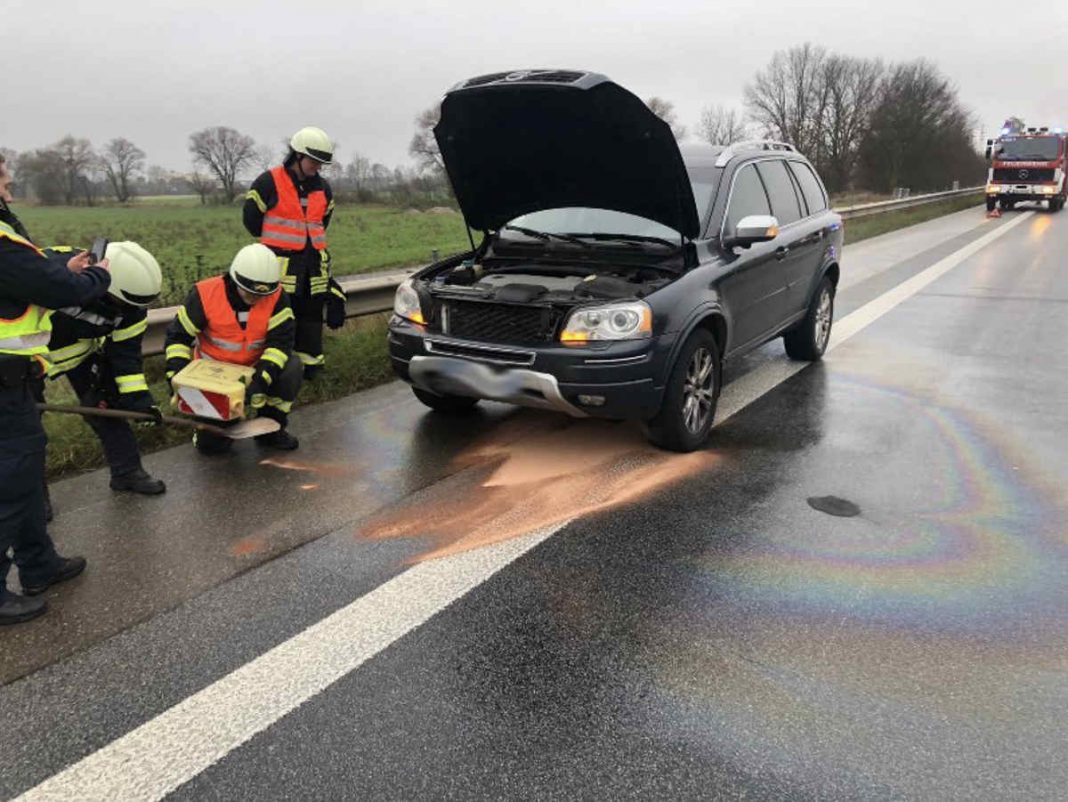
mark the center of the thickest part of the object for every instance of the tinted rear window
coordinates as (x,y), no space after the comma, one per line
(784,204)
(810,186)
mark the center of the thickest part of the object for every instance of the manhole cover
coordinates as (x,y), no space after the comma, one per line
(832,505)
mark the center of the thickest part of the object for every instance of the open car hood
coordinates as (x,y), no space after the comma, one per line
(521,142)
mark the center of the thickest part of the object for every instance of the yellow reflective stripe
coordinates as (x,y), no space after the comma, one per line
(267,378)
(289,283)
(11,234)
(340,293)
(70,351)
(170,374)
(309,359)
(130,332)
(258,400)
(275,356)
(132,383)
(283,262)
(187,324)
(60,248)
(279,404)
(280,318)
(330,206)
(179,351)
(254,196)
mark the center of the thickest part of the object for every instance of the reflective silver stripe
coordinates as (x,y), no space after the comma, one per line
(256,345)
(242,317)
(276,236)
(226,345)
(25,341)
(78,313)
(283,222)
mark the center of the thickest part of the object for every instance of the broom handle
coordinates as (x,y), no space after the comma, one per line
(128,415)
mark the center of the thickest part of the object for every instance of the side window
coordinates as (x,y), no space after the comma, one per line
(747,197)
(810,185)
(780,186)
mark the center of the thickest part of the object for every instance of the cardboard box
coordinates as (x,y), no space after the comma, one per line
(213,390)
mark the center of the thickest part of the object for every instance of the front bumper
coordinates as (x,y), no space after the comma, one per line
(1022,191)
(611,380)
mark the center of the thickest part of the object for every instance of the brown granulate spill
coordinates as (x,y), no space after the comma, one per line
(320,468)
(246,546)
(514,486)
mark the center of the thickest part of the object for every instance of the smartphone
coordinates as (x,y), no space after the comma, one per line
(100,247)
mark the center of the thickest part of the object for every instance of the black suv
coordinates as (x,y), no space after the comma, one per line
(616,272)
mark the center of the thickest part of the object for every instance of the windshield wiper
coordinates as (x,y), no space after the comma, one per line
(632,238)
(545,236)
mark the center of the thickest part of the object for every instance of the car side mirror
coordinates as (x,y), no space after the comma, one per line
(753,228)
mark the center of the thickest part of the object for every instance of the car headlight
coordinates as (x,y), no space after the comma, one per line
(623,321)
(406,303)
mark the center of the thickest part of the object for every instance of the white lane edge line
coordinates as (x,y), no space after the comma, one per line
(167,751)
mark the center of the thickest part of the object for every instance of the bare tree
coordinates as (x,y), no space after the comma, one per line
(264,158)
(203,185)
(665,110)
(788,98)
(77,159)
(121,159)
(358,176)
(424,147)
(42,175)
(224,152)
(853,90)
(721,126)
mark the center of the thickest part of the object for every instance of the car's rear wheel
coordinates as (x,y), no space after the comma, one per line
(808,340)
(454,404)
(689,406)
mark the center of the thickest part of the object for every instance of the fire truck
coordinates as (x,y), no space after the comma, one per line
(1026,164)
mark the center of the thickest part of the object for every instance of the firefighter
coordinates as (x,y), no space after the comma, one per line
(98,348)
(243,318)
(31,284)
(289,208)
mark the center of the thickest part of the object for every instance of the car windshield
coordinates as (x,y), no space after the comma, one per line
(585,220)
(1039,149)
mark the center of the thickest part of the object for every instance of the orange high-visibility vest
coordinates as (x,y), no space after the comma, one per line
(288,224)
(222,337)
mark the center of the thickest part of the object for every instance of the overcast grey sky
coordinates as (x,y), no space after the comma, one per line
(362,70)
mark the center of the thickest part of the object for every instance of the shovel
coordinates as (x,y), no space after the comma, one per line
(240,431)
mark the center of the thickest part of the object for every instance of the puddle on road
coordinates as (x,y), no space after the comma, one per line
(509,487)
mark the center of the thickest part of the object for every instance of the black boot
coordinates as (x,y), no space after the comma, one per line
(14,609)
(138,481)
(69,567)
(280,440)
(211,444)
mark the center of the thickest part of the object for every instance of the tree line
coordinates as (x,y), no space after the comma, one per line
(864,123)
(73,172)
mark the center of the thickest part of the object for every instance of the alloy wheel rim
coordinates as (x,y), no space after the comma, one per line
(823,320)
(698,388)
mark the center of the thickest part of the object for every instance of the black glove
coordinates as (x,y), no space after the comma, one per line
(335,312)
(255,395)
(157,417)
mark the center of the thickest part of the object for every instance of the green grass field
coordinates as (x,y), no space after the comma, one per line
(193,242)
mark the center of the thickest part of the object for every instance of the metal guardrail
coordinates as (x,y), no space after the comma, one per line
(865,209)
(372,294)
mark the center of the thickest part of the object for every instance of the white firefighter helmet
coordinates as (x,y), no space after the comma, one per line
(314,143)
(256,269)
(135,275)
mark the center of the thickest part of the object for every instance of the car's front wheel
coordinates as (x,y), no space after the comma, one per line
(808,340)
(445,402)
(689,406)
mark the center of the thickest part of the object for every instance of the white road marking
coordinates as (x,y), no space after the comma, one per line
(177,745)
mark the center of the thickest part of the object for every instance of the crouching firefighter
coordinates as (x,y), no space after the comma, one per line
(98,348)
(243,318)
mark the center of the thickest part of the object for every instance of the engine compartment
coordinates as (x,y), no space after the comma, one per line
(535,284)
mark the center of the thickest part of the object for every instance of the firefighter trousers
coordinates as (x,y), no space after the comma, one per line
(22,470)
(117,438)
(308,311)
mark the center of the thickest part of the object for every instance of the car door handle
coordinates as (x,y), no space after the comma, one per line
(781,251)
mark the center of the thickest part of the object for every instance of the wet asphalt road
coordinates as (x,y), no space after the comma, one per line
(715,636)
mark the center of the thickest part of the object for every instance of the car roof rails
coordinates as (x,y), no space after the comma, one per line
(735,148)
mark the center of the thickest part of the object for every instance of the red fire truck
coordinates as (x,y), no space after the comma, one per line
(1027,164)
